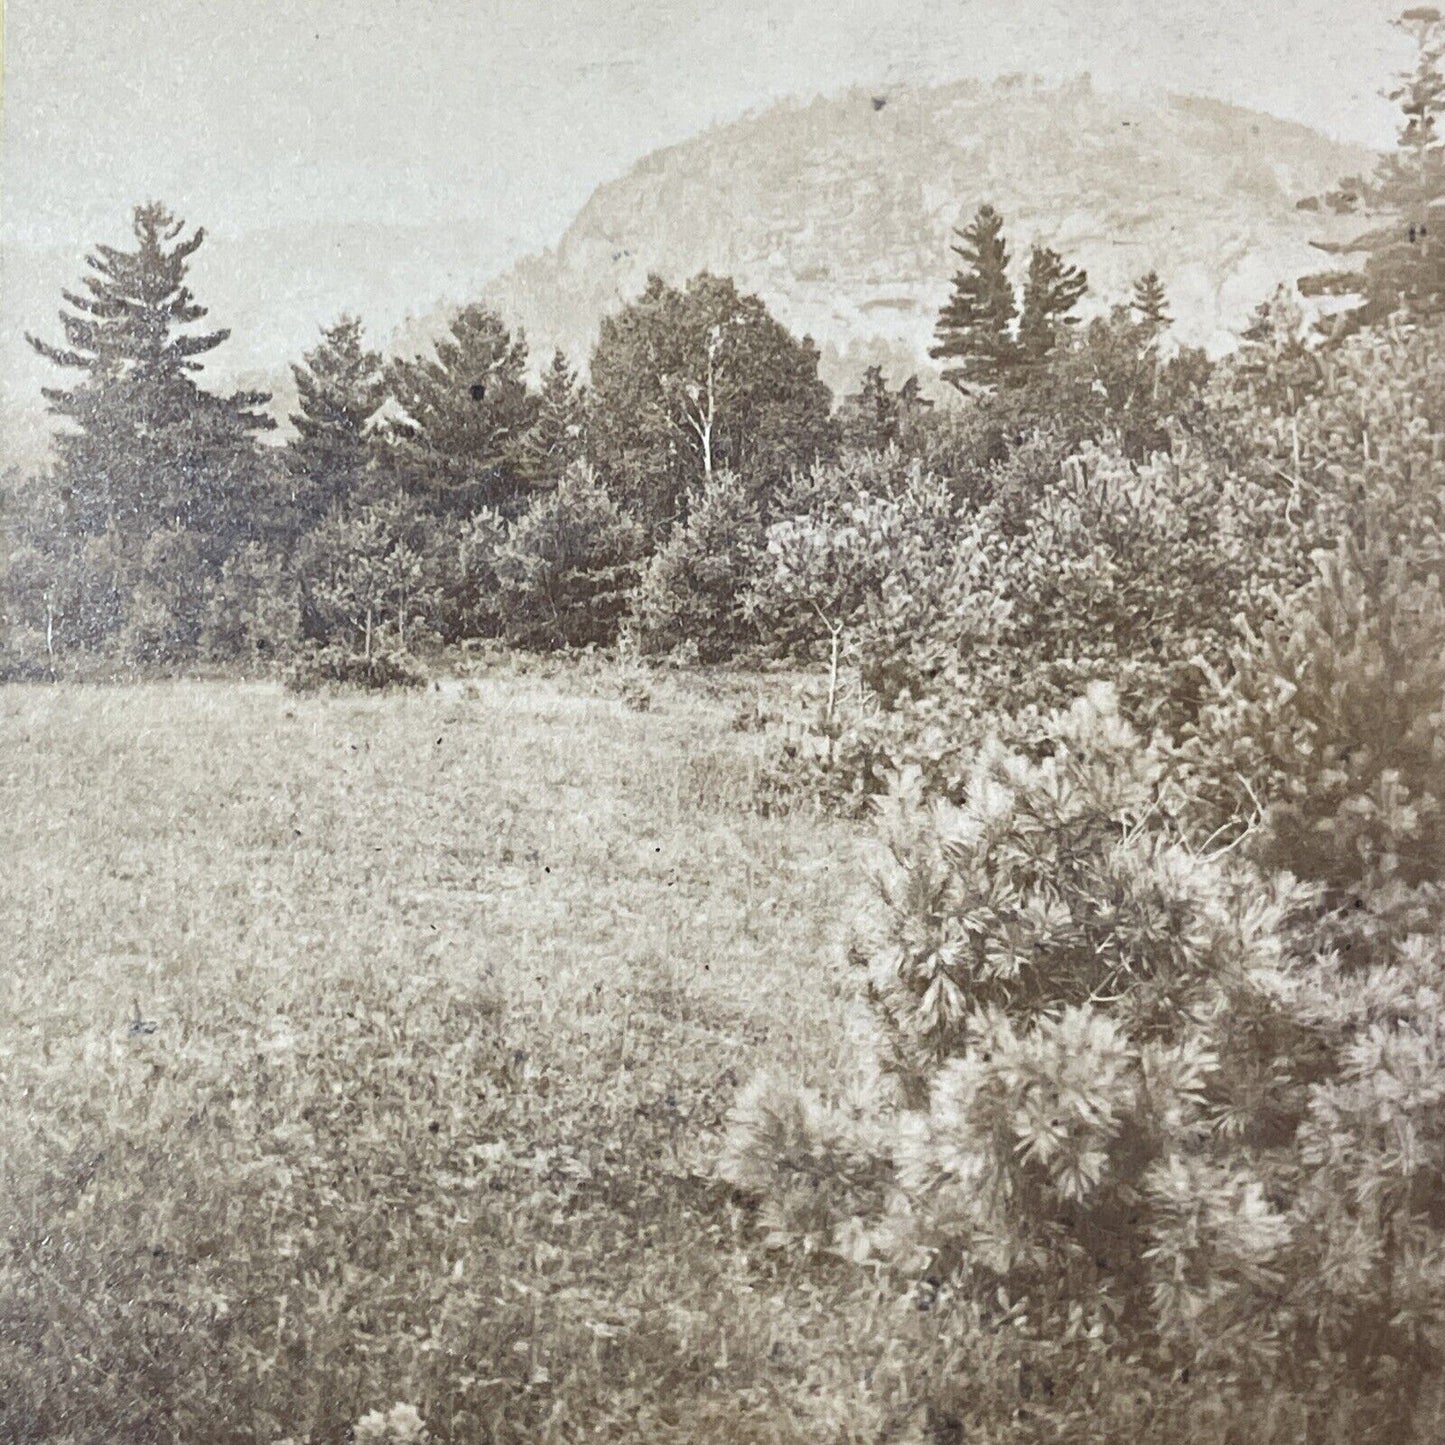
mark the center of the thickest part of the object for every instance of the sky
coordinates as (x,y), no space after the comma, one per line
(484,125)
(508,112)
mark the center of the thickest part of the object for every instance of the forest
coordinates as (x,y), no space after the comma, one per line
(1123,1117)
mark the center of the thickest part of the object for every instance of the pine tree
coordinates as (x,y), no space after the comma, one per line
(1150,303)
(868,415)
(1275,362)
(149,448)
(874,417)
(1051,292)
(974,328)
(340,386)
(1131,1102)
(557,437)
(464,415)
(569,566)
(1404,258)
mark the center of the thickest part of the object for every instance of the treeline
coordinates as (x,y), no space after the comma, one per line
(439,497)
(445,497)
(1095,502)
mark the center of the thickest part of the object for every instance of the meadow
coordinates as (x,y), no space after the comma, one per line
(363,1056)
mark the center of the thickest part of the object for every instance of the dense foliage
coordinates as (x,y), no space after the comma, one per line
(689,382)
(1142,1115)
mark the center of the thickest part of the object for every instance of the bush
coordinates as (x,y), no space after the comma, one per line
(1136,1121)
(873,555)
(335,665)
(1336,442)
(569,564)
(692,590)
(1332,732)
(24,657)
(471,604)
(845,761)
(165,611)
(371,574)
(253,611)
(1127,574)
(1108,572)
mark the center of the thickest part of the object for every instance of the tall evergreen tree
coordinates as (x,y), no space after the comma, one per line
(148,448)
(1151,305)
(558,436)
(464,415)
(974,332)
(1403,265)
(340,386)
(1051,291)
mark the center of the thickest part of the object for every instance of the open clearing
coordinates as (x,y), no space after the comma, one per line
(366,1050)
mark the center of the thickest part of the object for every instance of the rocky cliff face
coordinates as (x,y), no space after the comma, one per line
(839,212)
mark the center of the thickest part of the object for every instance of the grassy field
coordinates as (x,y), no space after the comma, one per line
(366,1051)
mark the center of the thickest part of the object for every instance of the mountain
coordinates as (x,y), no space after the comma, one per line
(839,212)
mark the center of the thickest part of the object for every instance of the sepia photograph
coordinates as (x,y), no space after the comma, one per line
(722,724)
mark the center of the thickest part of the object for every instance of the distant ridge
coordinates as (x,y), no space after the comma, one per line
(839,211)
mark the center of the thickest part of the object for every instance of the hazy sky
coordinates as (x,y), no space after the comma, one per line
(488,123)
(243,113)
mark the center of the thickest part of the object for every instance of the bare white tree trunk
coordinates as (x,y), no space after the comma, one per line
(704,399)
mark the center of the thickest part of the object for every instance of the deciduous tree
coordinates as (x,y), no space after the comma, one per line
(688,382)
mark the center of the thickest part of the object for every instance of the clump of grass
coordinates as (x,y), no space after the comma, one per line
(337,666)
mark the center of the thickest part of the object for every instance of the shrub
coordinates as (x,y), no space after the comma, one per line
(401,1425)
(1127,574)
(1136,1123)
(471,604)
(874,555)
(1109,572)
(845,761)
(336,665)
(371,579)
(1336,442)
(567,568)
(692,589)
(165,611)
(254,608)
(1332,729)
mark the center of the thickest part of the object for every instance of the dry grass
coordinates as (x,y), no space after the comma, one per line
(360,1051)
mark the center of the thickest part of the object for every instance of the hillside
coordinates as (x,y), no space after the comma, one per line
(838,212)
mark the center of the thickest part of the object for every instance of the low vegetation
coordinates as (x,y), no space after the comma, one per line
(316,1107)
